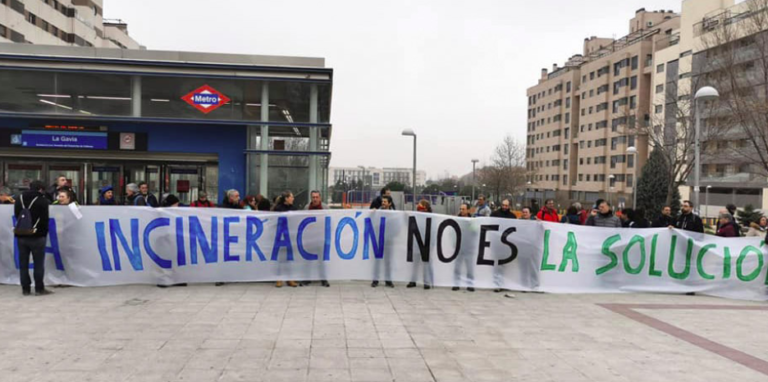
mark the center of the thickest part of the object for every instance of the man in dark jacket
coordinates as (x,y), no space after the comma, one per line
(232,200)
(688,221)
(666,219)
(53,191)
(504,212)
(145,198)
(376,203)
(734,222)
(36,202)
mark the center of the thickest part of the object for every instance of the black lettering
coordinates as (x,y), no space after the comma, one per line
(413,231)
(445,224)
(512,246)
(485,244)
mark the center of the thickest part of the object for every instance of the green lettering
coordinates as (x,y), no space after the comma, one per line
(700,262)
(688,253)
(637,239)
(569,253)
(607,252)
(740,263)
(545,266)
(727,263)
(652,269)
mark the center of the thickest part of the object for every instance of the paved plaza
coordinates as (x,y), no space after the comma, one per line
(351,332)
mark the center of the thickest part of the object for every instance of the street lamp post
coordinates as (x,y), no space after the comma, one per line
(411,133)
(474,162)
(706,93)
(610,188)
(706,200)
(632,150)
(363,168)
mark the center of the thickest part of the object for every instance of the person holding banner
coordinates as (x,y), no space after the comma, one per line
(284,203)
(504,212)
(727,228)
(666,219)
(315,204)
(106,197)
(232,200)
(376,204)
(131,193)
(758,229)
(482,209)
(428,275)
(388,205)
(688,221)
(466,258)
(146,198)
(603,217)
(202,201)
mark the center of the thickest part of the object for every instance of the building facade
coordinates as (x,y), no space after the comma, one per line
(697,55)
(583,117)
(62,22)
(182,122)
(375,177)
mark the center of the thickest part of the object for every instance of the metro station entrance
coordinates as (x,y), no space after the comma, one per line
(88,176)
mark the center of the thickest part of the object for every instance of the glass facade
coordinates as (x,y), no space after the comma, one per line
(97,94)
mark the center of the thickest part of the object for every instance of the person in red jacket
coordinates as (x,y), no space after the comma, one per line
(548,213)
(202,201)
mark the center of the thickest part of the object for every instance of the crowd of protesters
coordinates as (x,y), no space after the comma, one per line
(31,211)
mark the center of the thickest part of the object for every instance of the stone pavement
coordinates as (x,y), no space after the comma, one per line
(351,332)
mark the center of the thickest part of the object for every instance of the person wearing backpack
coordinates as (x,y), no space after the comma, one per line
(31,231)
(145,198)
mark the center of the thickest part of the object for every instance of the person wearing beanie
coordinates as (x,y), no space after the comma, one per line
(107,196)
(171,201)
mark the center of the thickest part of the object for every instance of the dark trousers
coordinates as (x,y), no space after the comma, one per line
(36,247)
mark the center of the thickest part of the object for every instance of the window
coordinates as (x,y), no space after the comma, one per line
(658,109)
(633,102)
(602,106)
(592,93)
(629,180)
(567,117)
(659,89)
(660,68)
(630,161)
(592,76)
(635,62)
(588,177)
(685,75)
(32,18)
(589,161)
(582,112)
(685,54)
(3,31)
(584,78)
(565,149)
(590,109)
(589,127)
(633,83)
(600,143)
(568,87)
(568,102)
(601,125)
(602,89)
(581,177)
(565,180)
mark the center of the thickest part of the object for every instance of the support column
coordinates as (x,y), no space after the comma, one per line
(313,139)
(136,96)
(264,165)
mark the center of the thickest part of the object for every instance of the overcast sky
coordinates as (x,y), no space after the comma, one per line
(454,71)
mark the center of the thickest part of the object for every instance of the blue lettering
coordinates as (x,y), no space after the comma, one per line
(282,239)
(197,236)
(53,249)
(230,239)
(134,255)
(252,237)
(327,244)
(101,239)
(157,223)
(369,238)
(300,239)
(181,255)
(355,233)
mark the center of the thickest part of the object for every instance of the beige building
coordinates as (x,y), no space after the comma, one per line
(680,59)
(62,22)
(583,117)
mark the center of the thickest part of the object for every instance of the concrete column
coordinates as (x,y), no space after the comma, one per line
(264,165)
(136,96)
(313,139)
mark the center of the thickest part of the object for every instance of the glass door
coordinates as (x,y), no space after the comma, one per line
(18,176)
(103,175)
(184,182)
(73,173)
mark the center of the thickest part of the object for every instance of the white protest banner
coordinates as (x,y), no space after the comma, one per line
(137,245)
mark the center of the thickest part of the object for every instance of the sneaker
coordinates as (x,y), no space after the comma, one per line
(374,284)
(219,283)
(325,283)
(389,284)
(470,289)
(26,293)
(411,285)
(292,284)
(427,286)
(279,284)
(455,288)
(304,283)
(43,292)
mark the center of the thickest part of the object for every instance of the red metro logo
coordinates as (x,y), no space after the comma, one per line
(206,99)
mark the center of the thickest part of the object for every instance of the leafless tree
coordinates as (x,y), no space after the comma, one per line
(506,173)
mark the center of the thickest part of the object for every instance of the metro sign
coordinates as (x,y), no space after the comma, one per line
(206,99)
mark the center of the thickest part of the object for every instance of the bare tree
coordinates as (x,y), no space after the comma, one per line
(735,61)
(506,173)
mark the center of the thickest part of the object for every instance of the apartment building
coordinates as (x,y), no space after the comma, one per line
(688,60)
(375,177)
(62,22)
(583,117)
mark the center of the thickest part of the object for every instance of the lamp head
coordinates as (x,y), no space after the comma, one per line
(631,150)
(707,93)
(409,132)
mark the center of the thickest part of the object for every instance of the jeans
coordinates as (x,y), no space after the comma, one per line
(36,247)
